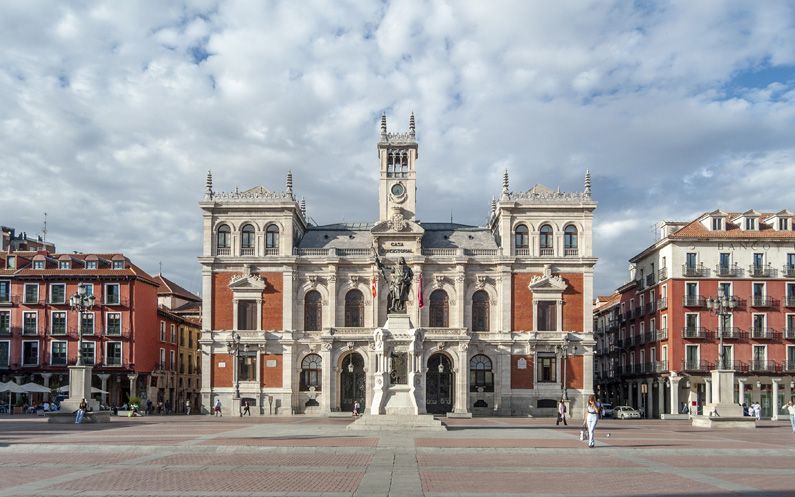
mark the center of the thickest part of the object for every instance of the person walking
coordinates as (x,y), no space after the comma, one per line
(591,420)
(217,408)
(246,409)
(81,411)
(561,413)
(758,410)
(187,407)
(356,408)
(791,411)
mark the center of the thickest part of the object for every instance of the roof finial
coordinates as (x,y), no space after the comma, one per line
(290,182)
(505,183)
(209,184)
(588,182)
(303,206)
(493,205)
(383,126)
(412,128)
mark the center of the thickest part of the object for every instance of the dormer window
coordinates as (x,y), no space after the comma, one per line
(118,264)
(750,224)
(64,265)
(717,224)
(91,264)
(783,224)
(38,264)
(12,262)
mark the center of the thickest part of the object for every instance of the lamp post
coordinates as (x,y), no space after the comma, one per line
(722,306)
(233,346)
(81,303)
(563,350)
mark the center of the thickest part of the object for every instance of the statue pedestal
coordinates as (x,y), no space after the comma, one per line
(722,412)
(79,389)
(397,386)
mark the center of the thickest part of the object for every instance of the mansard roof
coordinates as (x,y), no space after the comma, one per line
(339,235)
(453,235)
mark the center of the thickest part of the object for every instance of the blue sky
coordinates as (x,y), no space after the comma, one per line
(111,113)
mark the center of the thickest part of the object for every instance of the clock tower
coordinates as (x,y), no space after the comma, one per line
(397,155)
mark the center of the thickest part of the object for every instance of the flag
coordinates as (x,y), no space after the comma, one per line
(419,293)
(373,285)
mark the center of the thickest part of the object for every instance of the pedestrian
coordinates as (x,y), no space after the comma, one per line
(356,408)
(187,407)
(592,419)
(246,409)
(561,413)
(160,407)
(81,411)
(757,411)
(791,411)
(148,406)
(217,408)
(168,407)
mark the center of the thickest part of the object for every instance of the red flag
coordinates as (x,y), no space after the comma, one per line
(373,285)
(419,293)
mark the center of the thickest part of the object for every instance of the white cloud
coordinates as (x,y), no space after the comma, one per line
(103,108)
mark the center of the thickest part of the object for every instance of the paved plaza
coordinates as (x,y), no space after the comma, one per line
(302,456)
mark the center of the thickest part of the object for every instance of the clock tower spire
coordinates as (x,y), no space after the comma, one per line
(397,154)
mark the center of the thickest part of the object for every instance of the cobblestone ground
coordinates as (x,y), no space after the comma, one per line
(203,456)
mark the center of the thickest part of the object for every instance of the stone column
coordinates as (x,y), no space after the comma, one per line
(460,299)
(741,392)
(288,377)
(132,378)
(46,378)
(328,369)
(332,300)
(288,300)
(774,415)
(462,380)
(103,377)
(708,389)
(661,397)
(674,385)
(639,393)
(649,399)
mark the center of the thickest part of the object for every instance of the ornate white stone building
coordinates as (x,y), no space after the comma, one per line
(291,310)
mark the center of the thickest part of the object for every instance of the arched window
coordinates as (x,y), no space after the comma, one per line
(480,374)
(272,237)
(313,311)
(439,312)
(354,309)
(545,239)
(570,237)
(247,238)
(522,238)
(223,240)
(480,311)
(311,372)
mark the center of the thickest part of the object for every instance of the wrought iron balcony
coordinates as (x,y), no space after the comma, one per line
(761,271)
(662,274)
(661,366)
(662,334)
(637,312)
(789,367)
(651,335)
(763,365)
(695,271)
(662,303)
(788,271)
(693,301)
(763,333)
(641,338)
(789,302)
(761,301)
(730,333)
(631,340)
(728,271)
(650,279)
(694,332)
(789,334)
(696,366)
(651,308)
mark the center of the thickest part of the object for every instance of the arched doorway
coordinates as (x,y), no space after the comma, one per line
(352,381)
(439,385)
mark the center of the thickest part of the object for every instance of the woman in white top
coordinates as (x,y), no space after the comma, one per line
(592,418)
(791,411)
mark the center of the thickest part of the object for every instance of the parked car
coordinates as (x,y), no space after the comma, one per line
(626,412)
(607,410)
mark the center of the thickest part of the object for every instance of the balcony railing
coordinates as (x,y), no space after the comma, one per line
(789,334)
(788,271)
(695,271)
(763,365)
(662,303)
(641,338)
(761,301)
(651,308)
(662,334)
(728,271)
(247,251)
(789,367)
(699,366)
(693,301)
(763,333)
(694,332)
(762,272)
(631,340)
(544,252)
(651,335)
(650,279)
(223,251)
(627,315)
(662,274)
(520,252)
(571,252)
(789,301)
(730,333)
(661,366)
(637,312)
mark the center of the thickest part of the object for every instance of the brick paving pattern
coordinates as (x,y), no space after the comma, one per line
(301,456)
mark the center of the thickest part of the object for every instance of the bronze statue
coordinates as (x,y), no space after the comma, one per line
(399,285)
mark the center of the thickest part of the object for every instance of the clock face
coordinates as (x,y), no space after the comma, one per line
(398,189)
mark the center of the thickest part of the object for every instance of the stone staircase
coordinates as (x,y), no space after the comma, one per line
(394,422)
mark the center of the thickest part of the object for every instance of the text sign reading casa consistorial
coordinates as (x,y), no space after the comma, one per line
(397,247)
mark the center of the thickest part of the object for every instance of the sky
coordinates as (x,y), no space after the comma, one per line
(111,113)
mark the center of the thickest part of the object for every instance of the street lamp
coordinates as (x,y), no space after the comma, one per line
(563,350)
(81,303)
(233,346)
(441,365)
(350,363)
(722,306)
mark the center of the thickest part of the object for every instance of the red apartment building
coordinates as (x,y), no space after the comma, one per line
(657,340)
(39,331)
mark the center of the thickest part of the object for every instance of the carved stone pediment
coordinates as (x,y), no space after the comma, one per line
(247,282)
(548,282)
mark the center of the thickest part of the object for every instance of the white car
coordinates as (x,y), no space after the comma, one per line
(626,412)
(607,410)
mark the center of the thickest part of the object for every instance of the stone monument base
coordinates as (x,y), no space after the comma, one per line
(394,422)
(67,417)
(724,422)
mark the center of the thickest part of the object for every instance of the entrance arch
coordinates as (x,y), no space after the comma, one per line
(352,382)
(439,385)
